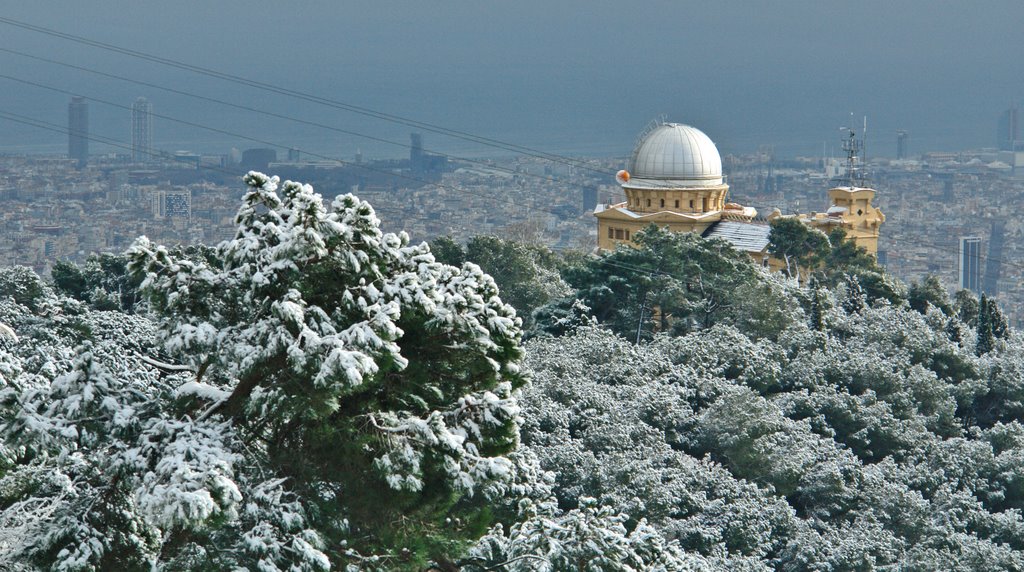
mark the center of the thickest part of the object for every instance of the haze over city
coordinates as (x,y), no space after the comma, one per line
(570,77)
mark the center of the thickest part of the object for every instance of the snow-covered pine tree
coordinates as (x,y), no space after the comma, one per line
(375,380)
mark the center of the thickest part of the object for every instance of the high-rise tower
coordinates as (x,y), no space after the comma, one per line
(78,130)
(416,151)
(901,144)
(970,263)
(1008,135)
(142,131)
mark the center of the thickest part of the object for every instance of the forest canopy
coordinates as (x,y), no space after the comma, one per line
(318,394)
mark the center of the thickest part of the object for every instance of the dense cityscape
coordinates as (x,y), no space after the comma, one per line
(67,207)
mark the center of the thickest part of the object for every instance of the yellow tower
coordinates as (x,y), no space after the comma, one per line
(851,205)
(674,180)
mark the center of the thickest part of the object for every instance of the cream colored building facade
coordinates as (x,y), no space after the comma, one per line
(674,180)
(853,211)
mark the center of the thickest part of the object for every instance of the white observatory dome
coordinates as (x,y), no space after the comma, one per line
(676,154)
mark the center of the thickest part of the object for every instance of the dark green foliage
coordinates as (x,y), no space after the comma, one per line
(103,281)
(992,325)
(966,307)
(375,380)
(68,279)
(447,251)
(757,425)
(879,286)
(562,318)
(817,306)
(671,282)
(854,299)
(797,244)
(527,275)
(871,425)
(24,286)
(845,255)
(929,293)
(845,260)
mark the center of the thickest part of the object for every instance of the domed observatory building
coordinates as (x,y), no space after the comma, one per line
(674,180)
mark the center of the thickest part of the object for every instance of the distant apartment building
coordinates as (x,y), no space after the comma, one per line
(969,260)
(78,131)
(172,204)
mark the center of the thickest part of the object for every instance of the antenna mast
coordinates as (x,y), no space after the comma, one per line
(854,148)
(864,139)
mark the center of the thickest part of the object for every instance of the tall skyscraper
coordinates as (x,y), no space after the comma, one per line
(78,130)
(993,262)
(901,144)
(416,151)
(970,263)
(1008,136)
(142,131)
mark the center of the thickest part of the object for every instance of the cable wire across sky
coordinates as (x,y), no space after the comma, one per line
(267,113)
(300,95)
(308,97)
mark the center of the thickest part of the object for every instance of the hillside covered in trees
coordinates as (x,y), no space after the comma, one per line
(316,394)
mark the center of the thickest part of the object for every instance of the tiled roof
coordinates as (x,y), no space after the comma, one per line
(744,236)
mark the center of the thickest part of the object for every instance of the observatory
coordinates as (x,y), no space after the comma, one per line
(674,179)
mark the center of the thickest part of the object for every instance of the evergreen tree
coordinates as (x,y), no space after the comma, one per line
(817,306)
(69,279)
(966,307)
(670,282)
(1000,327)
(854,301)
(929,293)
(845,256)
(527,275)
(104,282)
(797,244)
(375,379)
(953,331)
(447,251)
(21,285)
(986,338)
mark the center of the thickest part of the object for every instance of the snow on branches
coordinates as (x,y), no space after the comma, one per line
(342,350)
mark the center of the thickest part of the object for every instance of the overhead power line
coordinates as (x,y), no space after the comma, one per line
(122,145)
(48,126)
(24,120)
(312,98)
(275,114)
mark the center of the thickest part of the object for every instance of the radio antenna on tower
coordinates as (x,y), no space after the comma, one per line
(864,139)
(854,148)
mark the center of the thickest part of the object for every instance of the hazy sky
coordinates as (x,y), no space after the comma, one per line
(563,76)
